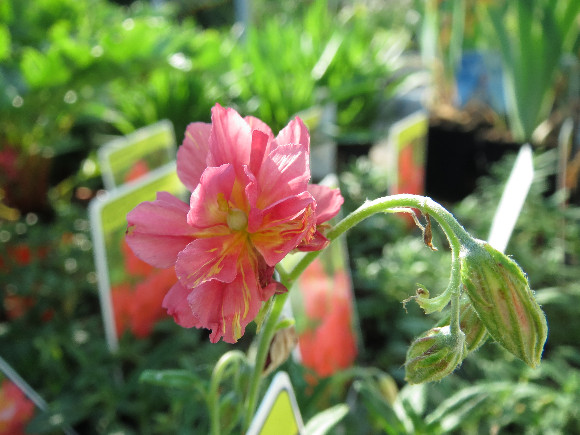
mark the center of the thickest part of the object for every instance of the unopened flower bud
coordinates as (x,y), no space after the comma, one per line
(470,324)
(501,296)
(434,355)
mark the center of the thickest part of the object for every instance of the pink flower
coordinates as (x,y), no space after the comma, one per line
(250,206)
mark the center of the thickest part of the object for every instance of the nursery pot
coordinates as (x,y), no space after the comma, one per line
(27,189)
(451,168)
(458,155)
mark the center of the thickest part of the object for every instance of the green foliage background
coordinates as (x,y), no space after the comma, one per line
(73,74)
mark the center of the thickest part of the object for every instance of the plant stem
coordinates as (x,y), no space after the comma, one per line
(454,232)
(454,286)
(234,356)
(264,339)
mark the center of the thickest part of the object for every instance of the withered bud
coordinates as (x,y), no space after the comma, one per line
(283,342)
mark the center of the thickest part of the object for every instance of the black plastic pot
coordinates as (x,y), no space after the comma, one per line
(457,156)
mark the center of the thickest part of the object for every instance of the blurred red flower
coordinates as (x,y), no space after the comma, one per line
(15,409)
(146,307)
(121,299)
(137,303)
(18,256)
(411,175)
(328,344)
(139,169)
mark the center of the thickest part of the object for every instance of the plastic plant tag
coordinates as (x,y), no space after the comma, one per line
(129,157)
(512,199)
(323,307)
(321,120)
(19,404)
(278,414)
(131,291)
(322,303)
(403,154)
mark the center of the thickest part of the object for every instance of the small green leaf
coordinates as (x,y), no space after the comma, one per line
(322,422)
(379,409)
(456,409)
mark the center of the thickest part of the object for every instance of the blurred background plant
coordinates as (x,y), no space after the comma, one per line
(76,73)
(68,80)
(349,56)
(533,38)
(518,399)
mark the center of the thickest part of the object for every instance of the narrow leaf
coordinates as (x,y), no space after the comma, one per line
(322,422)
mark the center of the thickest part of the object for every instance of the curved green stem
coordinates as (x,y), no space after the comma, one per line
(454,289)
(454,232)
(269,328)
(234,356)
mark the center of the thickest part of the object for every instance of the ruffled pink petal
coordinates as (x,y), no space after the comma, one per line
(316,243)
(328,202)
(260,149)
(192,154)
(258,124)
(177,305)
(267,286)
(251,190)
(227,309)
(279,229)
(214,258)
(230,140)
(274,288)
(209,201)
(295,132)
(157,231)
(285,172)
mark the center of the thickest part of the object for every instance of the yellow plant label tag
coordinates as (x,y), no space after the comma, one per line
(278,414)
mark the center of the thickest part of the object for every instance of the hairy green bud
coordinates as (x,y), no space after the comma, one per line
(500,294)
(434,354)
(470,324)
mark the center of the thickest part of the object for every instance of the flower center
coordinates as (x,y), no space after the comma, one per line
(237,219)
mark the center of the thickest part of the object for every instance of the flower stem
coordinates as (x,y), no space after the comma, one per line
(454,232)
(264,339)
(219,371)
